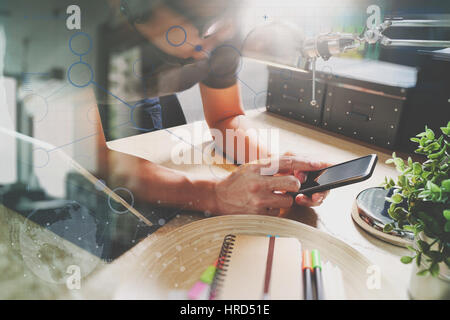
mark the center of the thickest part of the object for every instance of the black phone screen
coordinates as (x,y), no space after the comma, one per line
(347,171)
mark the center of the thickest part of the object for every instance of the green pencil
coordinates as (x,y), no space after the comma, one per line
(317,268)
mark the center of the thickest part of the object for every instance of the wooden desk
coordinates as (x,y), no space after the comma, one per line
(334,216)
(36,270)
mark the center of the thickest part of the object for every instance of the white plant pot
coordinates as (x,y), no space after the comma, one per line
(429,287)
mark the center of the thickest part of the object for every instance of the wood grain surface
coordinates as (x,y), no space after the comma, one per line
(333,216)
(176,261)
(173,257)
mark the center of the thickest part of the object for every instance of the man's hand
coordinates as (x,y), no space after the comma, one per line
(317,198)
(249,190)
(182,40)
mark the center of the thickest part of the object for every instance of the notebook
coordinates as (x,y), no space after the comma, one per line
(258,267)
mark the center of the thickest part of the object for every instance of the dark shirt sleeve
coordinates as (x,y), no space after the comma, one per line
(167,75)
(224,64)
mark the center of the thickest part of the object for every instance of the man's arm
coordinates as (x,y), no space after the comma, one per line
(245,191)
(157,184)
(223,110)
(154,183)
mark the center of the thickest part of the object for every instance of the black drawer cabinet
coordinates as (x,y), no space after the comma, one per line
(289,94)
(369,115)
(361,99)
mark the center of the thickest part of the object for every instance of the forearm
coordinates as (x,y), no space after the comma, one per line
(224,112)
(240,144)
(168,187)
(153,183)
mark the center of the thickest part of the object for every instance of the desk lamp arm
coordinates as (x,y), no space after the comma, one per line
(375,35)
(331,44)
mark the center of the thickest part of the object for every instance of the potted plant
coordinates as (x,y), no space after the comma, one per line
(420,203)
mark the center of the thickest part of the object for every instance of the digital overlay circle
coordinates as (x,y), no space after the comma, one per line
(131,197)
(76,35)
(173,44)
(37,105)
(80,85)
(223,65)
(41,158)
(260,100)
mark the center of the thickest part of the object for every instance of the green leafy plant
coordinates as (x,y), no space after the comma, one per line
(420,200)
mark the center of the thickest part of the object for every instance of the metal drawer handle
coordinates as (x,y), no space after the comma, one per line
(359,116)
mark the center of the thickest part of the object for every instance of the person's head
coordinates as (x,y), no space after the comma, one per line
(183,29)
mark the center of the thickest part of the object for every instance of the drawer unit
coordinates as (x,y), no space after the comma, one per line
(365,114)
(289,94)
(362,99)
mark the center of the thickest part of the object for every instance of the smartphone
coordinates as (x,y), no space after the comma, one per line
(339,175)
